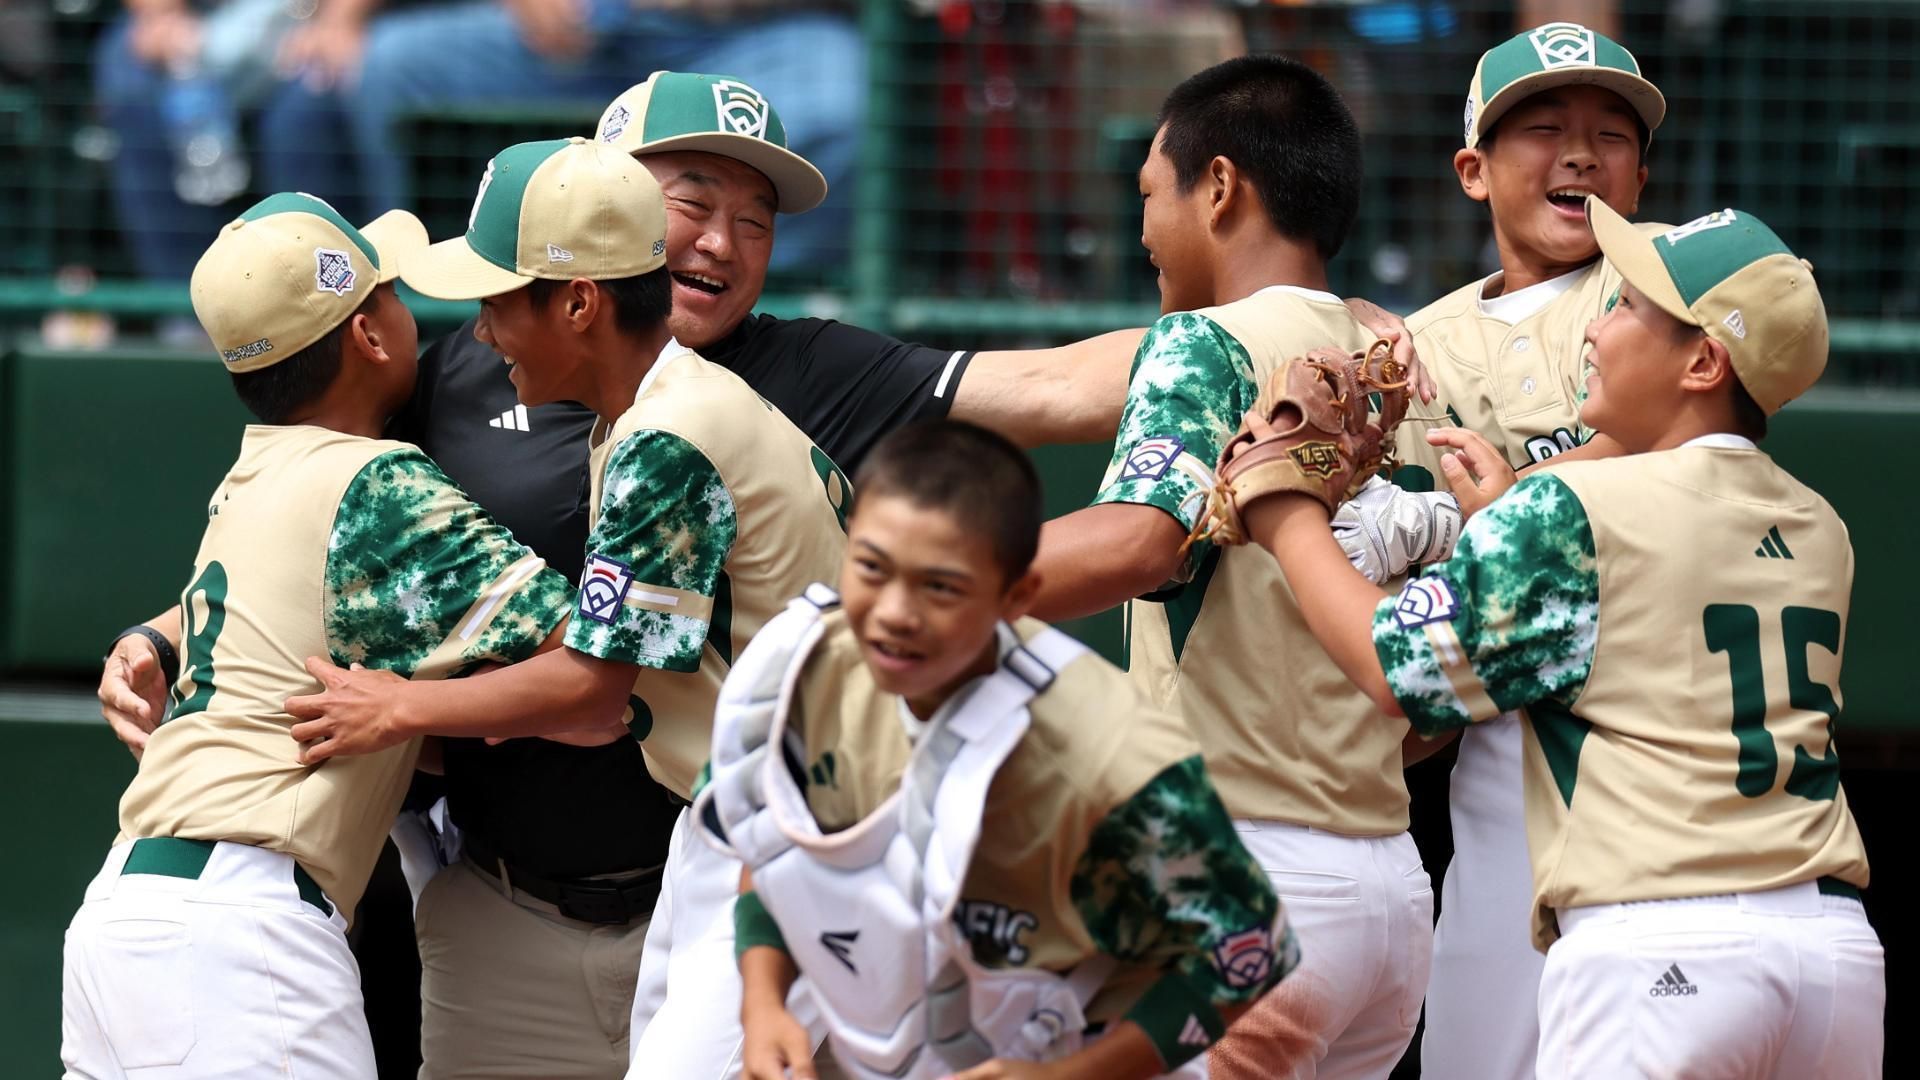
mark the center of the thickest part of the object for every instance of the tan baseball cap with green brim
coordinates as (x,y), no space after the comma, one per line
(1732,276)
(290,269)
(716,114)
(556,210)
(1556,54)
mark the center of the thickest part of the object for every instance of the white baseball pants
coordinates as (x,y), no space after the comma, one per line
(227,974)
(1362,908)
(1787,984)
(1481,1016)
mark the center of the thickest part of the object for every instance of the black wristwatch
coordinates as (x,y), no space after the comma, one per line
(169,659)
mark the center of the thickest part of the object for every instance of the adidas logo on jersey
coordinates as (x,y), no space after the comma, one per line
(1195,1033)
(1773,545)
(1672,984)
(514,419)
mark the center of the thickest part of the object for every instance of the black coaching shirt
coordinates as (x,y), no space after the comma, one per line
(562,811)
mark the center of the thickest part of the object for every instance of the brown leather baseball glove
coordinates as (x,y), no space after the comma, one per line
(1310,431)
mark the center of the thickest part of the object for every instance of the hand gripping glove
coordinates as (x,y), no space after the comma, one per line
(1309,432)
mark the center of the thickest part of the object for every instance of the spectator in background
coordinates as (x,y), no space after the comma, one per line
(170,79)
(368,72)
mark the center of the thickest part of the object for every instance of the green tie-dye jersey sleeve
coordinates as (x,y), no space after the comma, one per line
(1166,883)
(1510,619)
(1191,383)
(419,580)
(665,531)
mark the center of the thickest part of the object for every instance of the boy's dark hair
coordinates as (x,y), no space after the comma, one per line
(640,303)
(983,481)
(274,394)
(1285,128)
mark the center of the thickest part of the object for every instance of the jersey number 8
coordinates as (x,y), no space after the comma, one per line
(199,635)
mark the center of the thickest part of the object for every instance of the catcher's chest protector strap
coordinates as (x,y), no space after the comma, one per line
(868,912)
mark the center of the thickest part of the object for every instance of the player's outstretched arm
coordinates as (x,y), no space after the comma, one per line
(362,711)
(1075,393)
(1103,556)
(1336,600)
(1036,397)
(133,682)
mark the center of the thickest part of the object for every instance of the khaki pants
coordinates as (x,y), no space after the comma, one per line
(512,988)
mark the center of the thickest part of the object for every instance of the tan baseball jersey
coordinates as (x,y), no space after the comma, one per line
(1287,736)
(1509,368)
(1681,693)
(710,511)
(1097,838)
(324,544)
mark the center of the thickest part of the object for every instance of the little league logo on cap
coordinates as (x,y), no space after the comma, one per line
(1557,54)
(1734,278)
(714,114)
(1562,45)
(742,110)
(559,210)
(289,270)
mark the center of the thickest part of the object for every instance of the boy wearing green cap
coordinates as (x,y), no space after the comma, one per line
(710,511)
(1553,115)
(1671,621)
(212,942)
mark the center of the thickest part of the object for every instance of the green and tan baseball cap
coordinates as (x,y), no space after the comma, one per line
(290,269)
(1734,278)
(717,114)
(559,210)
(1555,54)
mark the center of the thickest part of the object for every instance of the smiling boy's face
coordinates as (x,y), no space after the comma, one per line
(923,594)
(1546,155)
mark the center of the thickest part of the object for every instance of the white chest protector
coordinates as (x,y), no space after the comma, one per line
(868,912)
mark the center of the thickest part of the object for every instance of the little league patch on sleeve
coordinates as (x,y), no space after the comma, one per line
(1151,458)
(1425,600)
(603,588)
(1246,958)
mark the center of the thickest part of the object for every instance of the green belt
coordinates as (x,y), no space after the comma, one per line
(1833,886)
(171,856)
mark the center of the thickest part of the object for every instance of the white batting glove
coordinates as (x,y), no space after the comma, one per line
(1386,529)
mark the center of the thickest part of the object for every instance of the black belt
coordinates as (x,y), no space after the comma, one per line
(605,901)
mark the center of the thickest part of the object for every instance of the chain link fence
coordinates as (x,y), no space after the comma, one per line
(993,200)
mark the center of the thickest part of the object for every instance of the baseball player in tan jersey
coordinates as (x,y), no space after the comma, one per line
(1696,872)
(1306,764)
(1553,115)
(711,510)
(213,941)
(1105,878)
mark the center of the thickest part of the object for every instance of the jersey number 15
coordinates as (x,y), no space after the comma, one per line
(1734,629)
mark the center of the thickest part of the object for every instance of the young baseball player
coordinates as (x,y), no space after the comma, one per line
(1250,187)
(1671,621)
(711,510)
(213,941)
(1553,115)
(964,866)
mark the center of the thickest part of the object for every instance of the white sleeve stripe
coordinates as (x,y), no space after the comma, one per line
(946,374)
(508,584)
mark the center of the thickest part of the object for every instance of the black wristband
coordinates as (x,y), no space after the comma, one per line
(169,659)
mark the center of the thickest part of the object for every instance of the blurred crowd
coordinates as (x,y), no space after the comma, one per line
(211,99)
